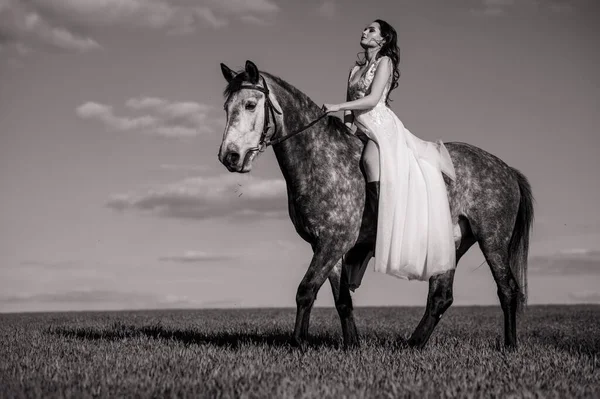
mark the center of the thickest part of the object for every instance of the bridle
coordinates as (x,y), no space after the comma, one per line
(270,111)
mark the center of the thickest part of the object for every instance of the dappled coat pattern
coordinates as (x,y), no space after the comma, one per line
(491,202)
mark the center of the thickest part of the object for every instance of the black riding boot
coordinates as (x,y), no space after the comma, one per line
(358,257)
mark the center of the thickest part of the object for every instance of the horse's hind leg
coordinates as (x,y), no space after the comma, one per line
(323,261)
(508,290)
(439,299)
(343,303)
(440,294)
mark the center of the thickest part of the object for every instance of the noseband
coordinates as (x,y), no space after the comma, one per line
(270,110)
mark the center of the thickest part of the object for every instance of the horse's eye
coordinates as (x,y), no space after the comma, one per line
(250,106)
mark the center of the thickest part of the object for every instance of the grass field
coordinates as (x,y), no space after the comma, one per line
(245,353)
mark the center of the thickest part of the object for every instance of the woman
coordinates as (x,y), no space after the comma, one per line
(414,230)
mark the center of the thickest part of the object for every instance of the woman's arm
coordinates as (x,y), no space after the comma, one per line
(348,115)
(382,74)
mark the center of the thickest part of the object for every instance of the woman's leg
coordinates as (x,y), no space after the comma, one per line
(370,160)
(358,257)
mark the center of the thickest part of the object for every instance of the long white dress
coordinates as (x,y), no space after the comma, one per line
(414,228)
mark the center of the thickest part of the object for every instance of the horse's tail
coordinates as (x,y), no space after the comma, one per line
(519,242)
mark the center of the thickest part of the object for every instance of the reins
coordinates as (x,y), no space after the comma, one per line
(284,138)
(270,110)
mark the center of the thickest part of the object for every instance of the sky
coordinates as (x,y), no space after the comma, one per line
(111,118)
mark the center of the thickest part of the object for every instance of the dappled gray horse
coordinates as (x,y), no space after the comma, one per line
(491,203)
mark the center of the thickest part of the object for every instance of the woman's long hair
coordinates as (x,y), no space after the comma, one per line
(390,48)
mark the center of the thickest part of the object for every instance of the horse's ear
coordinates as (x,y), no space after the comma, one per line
(227,73)
(252,72)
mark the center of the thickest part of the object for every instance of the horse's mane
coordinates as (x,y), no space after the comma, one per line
(235,84)
(242,76)
(337,124)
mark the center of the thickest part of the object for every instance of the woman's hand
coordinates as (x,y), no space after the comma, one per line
(327,108)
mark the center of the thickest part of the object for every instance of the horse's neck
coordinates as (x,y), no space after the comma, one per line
(298,155)
(303,158)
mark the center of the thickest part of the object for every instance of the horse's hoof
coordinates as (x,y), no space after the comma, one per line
(506,346)
(402,343)
(351,345)
(300,344)
(414,344)
(510,347)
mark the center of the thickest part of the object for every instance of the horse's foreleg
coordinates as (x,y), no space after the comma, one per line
(338,278)
(320,267)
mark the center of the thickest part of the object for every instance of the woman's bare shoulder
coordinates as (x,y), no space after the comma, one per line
(385,59)
(351,70)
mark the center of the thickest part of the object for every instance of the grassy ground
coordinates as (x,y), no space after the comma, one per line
(245,353)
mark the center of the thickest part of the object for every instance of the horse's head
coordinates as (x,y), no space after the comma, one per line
(250,107)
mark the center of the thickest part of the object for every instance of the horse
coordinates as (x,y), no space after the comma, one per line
(491,203)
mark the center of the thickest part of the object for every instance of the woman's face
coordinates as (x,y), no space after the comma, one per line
(371,36)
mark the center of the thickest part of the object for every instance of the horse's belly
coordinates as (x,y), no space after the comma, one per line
(326,219)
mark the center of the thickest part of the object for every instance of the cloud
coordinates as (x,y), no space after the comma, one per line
(181,112)
(105,114)
(158,14)
(586,296)
(85,298)
(57,36)
(93,299)
(63,24)
(166,15)
(225,303)
(493,8)
(163,118)
(148,13)
(496,8)
(253,12)
(574,261)
(561,7)
(253,20)
(498,3)
(195,257)
(178,131)
(209,197)
(55,265)
(182,167)
(205,14)
(23,28)
(246,6)
(327,9)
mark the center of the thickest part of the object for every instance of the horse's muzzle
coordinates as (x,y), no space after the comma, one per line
(231,160)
